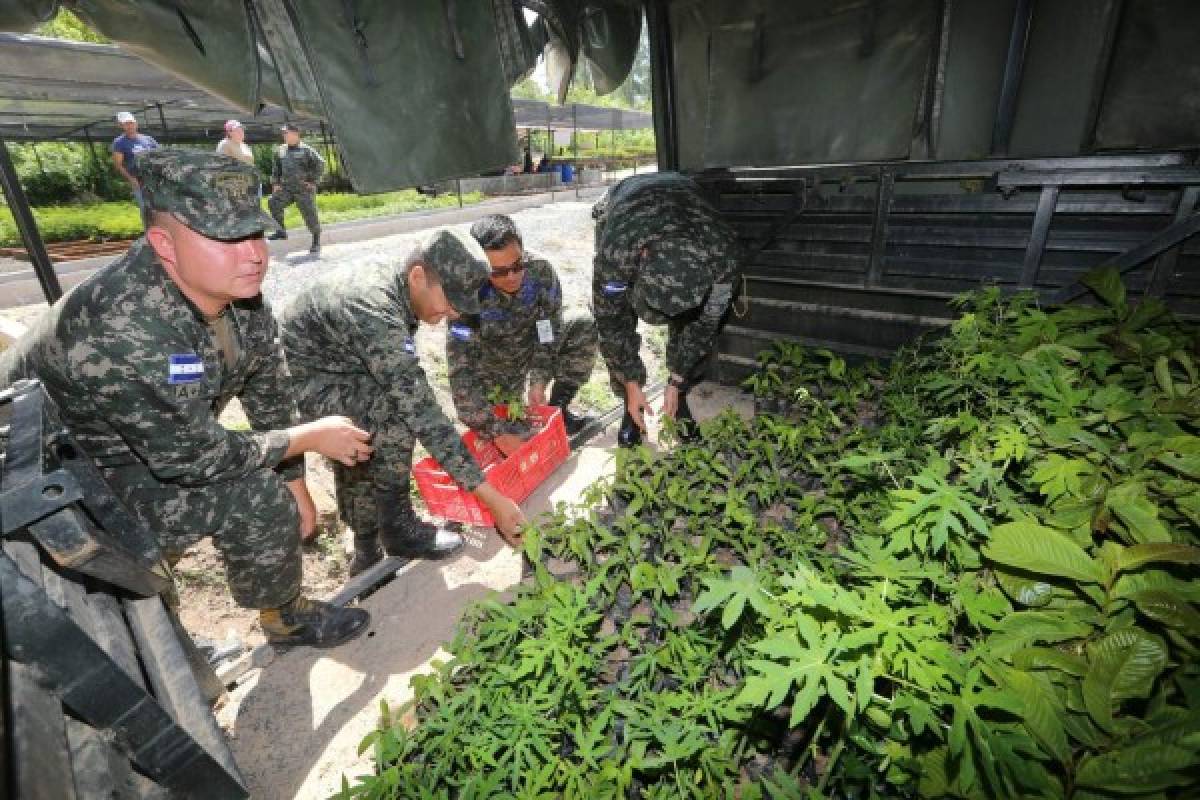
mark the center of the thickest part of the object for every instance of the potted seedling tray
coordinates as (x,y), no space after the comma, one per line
(516,476)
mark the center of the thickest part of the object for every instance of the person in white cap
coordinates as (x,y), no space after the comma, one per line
(234,144)
(124,155)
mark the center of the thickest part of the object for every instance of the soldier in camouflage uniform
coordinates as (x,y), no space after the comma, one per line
(294,178)
(664,256)
(519,334)
(349,343)
(142,357)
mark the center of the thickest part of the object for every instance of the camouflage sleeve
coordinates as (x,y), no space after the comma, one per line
(276,169)
(541,367)
(399,374)
(616,323)
(173,431)
(464,360)
(265,398)
(690,341)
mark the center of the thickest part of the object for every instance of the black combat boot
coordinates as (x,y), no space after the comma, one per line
(686,427)
(315,247)
(312,622)
(406,535)
(630,435)
(367,553)
(560,397)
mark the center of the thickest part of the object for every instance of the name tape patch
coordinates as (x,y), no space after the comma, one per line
(184,368)
(545,331)
(460,331)
(612,288)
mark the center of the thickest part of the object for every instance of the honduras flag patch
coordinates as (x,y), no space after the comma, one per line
(460,331)
(184,368)
(613,288)
(410,346)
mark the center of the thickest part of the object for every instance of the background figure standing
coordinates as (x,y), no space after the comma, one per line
(124,155)
(294,178)
(234,145)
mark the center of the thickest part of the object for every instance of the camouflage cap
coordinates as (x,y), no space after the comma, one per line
(214,195)
(675,277)
(460,265)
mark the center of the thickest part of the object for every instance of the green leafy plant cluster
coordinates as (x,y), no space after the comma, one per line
(970,574)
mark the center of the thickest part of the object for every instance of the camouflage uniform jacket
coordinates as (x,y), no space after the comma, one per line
(294,166)
(357,324)
(665,213)
(504,338)
(134,369)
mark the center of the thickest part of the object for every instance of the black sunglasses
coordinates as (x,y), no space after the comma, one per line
(514,268)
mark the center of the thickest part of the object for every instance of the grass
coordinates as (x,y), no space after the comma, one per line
(101,221)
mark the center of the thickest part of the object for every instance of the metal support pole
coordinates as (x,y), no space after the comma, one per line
(166,132)
(18,204)
(458,183)
(1014,65)
(662,71)
(1038,236)
(883,208)
(1164,266)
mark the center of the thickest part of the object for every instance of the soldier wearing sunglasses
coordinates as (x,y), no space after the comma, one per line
(520,341)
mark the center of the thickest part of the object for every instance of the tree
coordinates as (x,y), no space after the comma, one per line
(66,25)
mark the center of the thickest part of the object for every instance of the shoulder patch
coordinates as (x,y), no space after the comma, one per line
(184,368)
(410,346)
(460,331)
(614,288)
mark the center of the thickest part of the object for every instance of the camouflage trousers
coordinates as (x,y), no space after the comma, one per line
(387,473)
(253,521)
(508,367)
(304,199)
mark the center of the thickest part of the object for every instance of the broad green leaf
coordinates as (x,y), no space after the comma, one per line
(1026,591)
(1042,711)
(1057,475)
(1140,516)
(1032,658)
(1024,628)
(1107,285)
(1035,548)
(1188,464)
(1162,375)
(1169,609)
(1139,769)
(1121,665)
(1139,555)
(1144,313)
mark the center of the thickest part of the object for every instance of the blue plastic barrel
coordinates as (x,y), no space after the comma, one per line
(568,173)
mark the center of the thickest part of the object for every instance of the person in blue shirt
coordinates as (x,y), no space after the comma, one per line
(125,149)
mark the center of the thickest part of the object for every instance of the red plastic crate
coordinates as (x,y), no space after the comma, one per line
(516,476)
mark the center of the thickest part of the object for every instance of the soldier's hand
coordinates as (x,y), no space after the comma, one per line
(670,402)
(508,515)
(537,395)
(507,443)
(333,437)
(636,405)
(274,188)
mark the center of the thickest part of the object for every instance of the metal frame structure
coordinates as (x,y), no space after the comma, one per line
(104,695)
